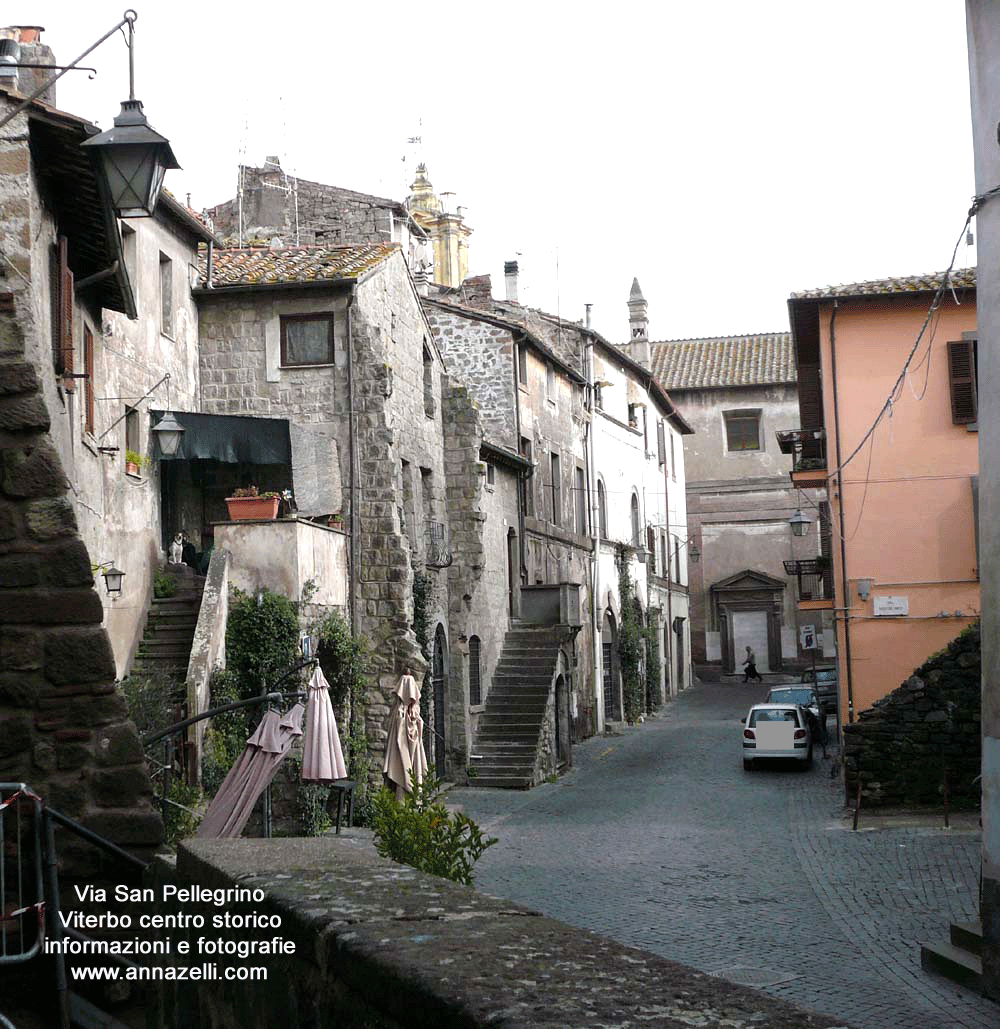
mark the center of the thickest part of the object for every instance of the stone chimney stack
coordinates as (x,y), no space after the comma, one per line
(638,323)
(22,45)
(477,291)
(510,277)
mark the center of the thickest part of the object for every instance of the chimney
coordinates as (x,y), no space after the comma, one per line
(638,321)
(510,277)
(477,291)
(587,308)
(10,54)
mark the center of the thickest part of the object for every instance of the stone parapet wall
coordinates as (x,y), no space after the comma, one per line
(899,749)
(380,945)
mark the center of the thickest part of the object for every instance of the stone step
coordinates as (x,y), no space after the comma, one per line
(171,634)
(501,782)
(487,748)
(509,718)
(968,936)
(515,677)
(165,649)
(169,616)
(953,963)
(508,761)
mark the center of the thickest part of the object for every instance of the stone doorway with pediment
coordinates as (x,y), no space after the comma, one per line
(747,608)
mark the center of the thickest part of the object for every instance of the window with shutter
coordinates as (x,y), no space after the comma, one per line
(61,286)
(661,446)
(962,381)
(475,673)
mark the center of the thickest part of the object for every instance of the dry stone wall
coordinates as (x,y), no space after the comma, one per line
(899,748)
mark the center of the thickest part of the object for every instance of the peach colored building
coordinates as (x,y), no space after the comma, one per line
(902,532)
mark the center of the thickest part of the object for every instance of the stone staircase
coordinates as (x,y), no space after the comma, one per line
(166,643)
(509,732)
(960,959)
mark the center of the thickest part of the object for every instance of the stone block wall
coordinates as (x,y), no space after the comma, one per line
(63,723)
(482,355)
(899,748)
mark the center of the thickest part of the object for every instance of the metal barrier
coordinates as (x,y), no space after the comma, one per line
(29,887)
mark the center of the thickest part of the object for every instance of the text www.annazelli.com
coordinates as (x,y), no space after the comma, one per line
(136,973)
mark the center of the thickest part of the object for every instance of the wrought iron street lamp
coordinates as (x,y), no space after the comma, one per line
(168,432)
(800,523)
(133,155)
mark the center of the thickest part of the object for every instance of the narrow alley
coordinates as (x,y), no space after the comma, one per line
(658,839)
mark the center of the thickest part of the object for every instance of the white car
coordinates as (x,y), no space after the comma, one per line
(777,731)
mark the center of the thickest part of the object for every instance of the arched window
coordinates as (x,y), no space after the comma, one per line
(475,679)
(602,510)
(636,538)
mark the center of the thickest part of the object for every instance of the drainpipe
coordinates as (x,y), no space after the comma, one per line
(353,478)
(670,557)
(595,536)
(522,569)
(840,505)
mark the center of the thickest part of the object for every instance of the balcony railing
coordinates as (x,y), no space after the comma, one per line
(808,448)
(815,577)
(437,552)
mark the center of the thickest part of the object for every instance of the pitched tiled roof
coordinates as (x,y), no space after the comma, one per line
(263,266)
(726,361)
(960,278)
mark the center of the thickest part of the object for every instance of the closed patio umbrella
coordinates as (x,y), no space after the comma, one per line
(404,749)
(248,778)
(322,756)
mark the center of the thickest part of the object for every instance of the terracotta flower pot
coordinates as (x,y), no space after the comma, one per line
(245,509)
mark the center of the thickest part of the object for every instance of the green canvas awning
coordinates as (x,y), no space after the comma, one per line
(230,438)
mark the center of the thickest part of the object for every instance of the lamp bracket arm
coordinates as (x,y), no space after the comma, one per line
(166,378)
(128,19)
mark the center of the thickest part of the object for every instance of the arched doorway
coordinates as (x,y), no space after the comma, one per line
(611,674)
(439,676)
(562,742)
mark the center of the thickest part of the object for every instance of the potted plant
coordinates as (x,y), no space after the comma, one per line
(250,504)
(135,462)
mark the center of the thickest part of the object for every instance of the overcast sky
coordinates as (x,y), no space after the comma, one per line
(726,154)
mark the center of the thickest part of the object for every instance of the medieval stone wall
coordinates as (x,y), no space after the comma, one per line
(900,748)
(63,725)
(482,355)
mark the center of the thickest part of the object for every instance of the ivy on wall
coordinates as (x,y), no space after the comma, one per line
(422,630)
(652,663)
(631,640)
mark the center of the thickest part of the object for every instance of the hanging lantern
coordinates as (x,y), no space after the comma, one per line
(168,432)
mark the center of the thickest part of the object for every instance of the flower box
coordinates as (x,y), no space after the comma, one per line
(245,509)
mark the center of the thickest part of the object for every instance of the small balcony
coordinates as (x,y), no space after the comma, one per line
(815,582)
(437,553)
(808,447)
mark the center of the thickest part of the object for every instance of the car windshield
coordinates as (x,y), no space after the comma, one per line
(774,714)
(792,696)
(826,675)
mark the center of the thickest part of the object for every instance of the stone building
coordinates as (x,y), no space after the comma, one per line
(272,206)
(64,279)
(737,392)
(335,341)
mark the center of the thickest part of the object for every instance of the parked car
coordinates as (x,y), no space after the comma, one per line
(777,731)
(807,697)
(826,685)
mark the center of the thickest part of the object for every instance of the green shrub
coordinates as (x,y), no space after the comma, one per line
(422,833)
(181,819)
(226,734)
(164,584)
(262,640)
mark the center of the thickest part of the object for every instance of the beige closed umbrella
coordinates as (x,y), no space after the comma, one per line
(405,759)
(322,755)
(231,807)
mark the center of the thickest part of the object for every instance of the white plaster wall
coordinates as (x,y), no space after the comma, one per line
(118,514)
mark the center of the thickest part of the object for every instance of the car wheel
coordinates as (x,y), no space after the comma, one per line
(748,764)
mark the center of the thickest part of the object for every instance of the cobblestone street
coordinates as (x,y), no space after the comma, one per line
(658,839)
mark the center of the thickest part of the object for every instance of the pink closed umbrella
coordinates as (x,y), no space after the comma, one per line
(231,807)
(405,759)
(322,756)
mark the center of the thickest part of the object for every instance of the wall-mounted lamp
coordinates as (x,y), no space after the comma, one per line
(603,383)
(864,588)
(694,554)
(167,432)
(133,155)
(112,577)
(800,523)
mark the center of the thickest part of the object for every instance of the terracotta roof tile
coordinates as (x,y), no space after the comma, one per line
(960,278)
(725,361)
(262,266)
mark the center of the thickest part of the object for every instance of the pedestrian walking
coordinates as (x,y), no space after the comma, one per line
(750,664)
